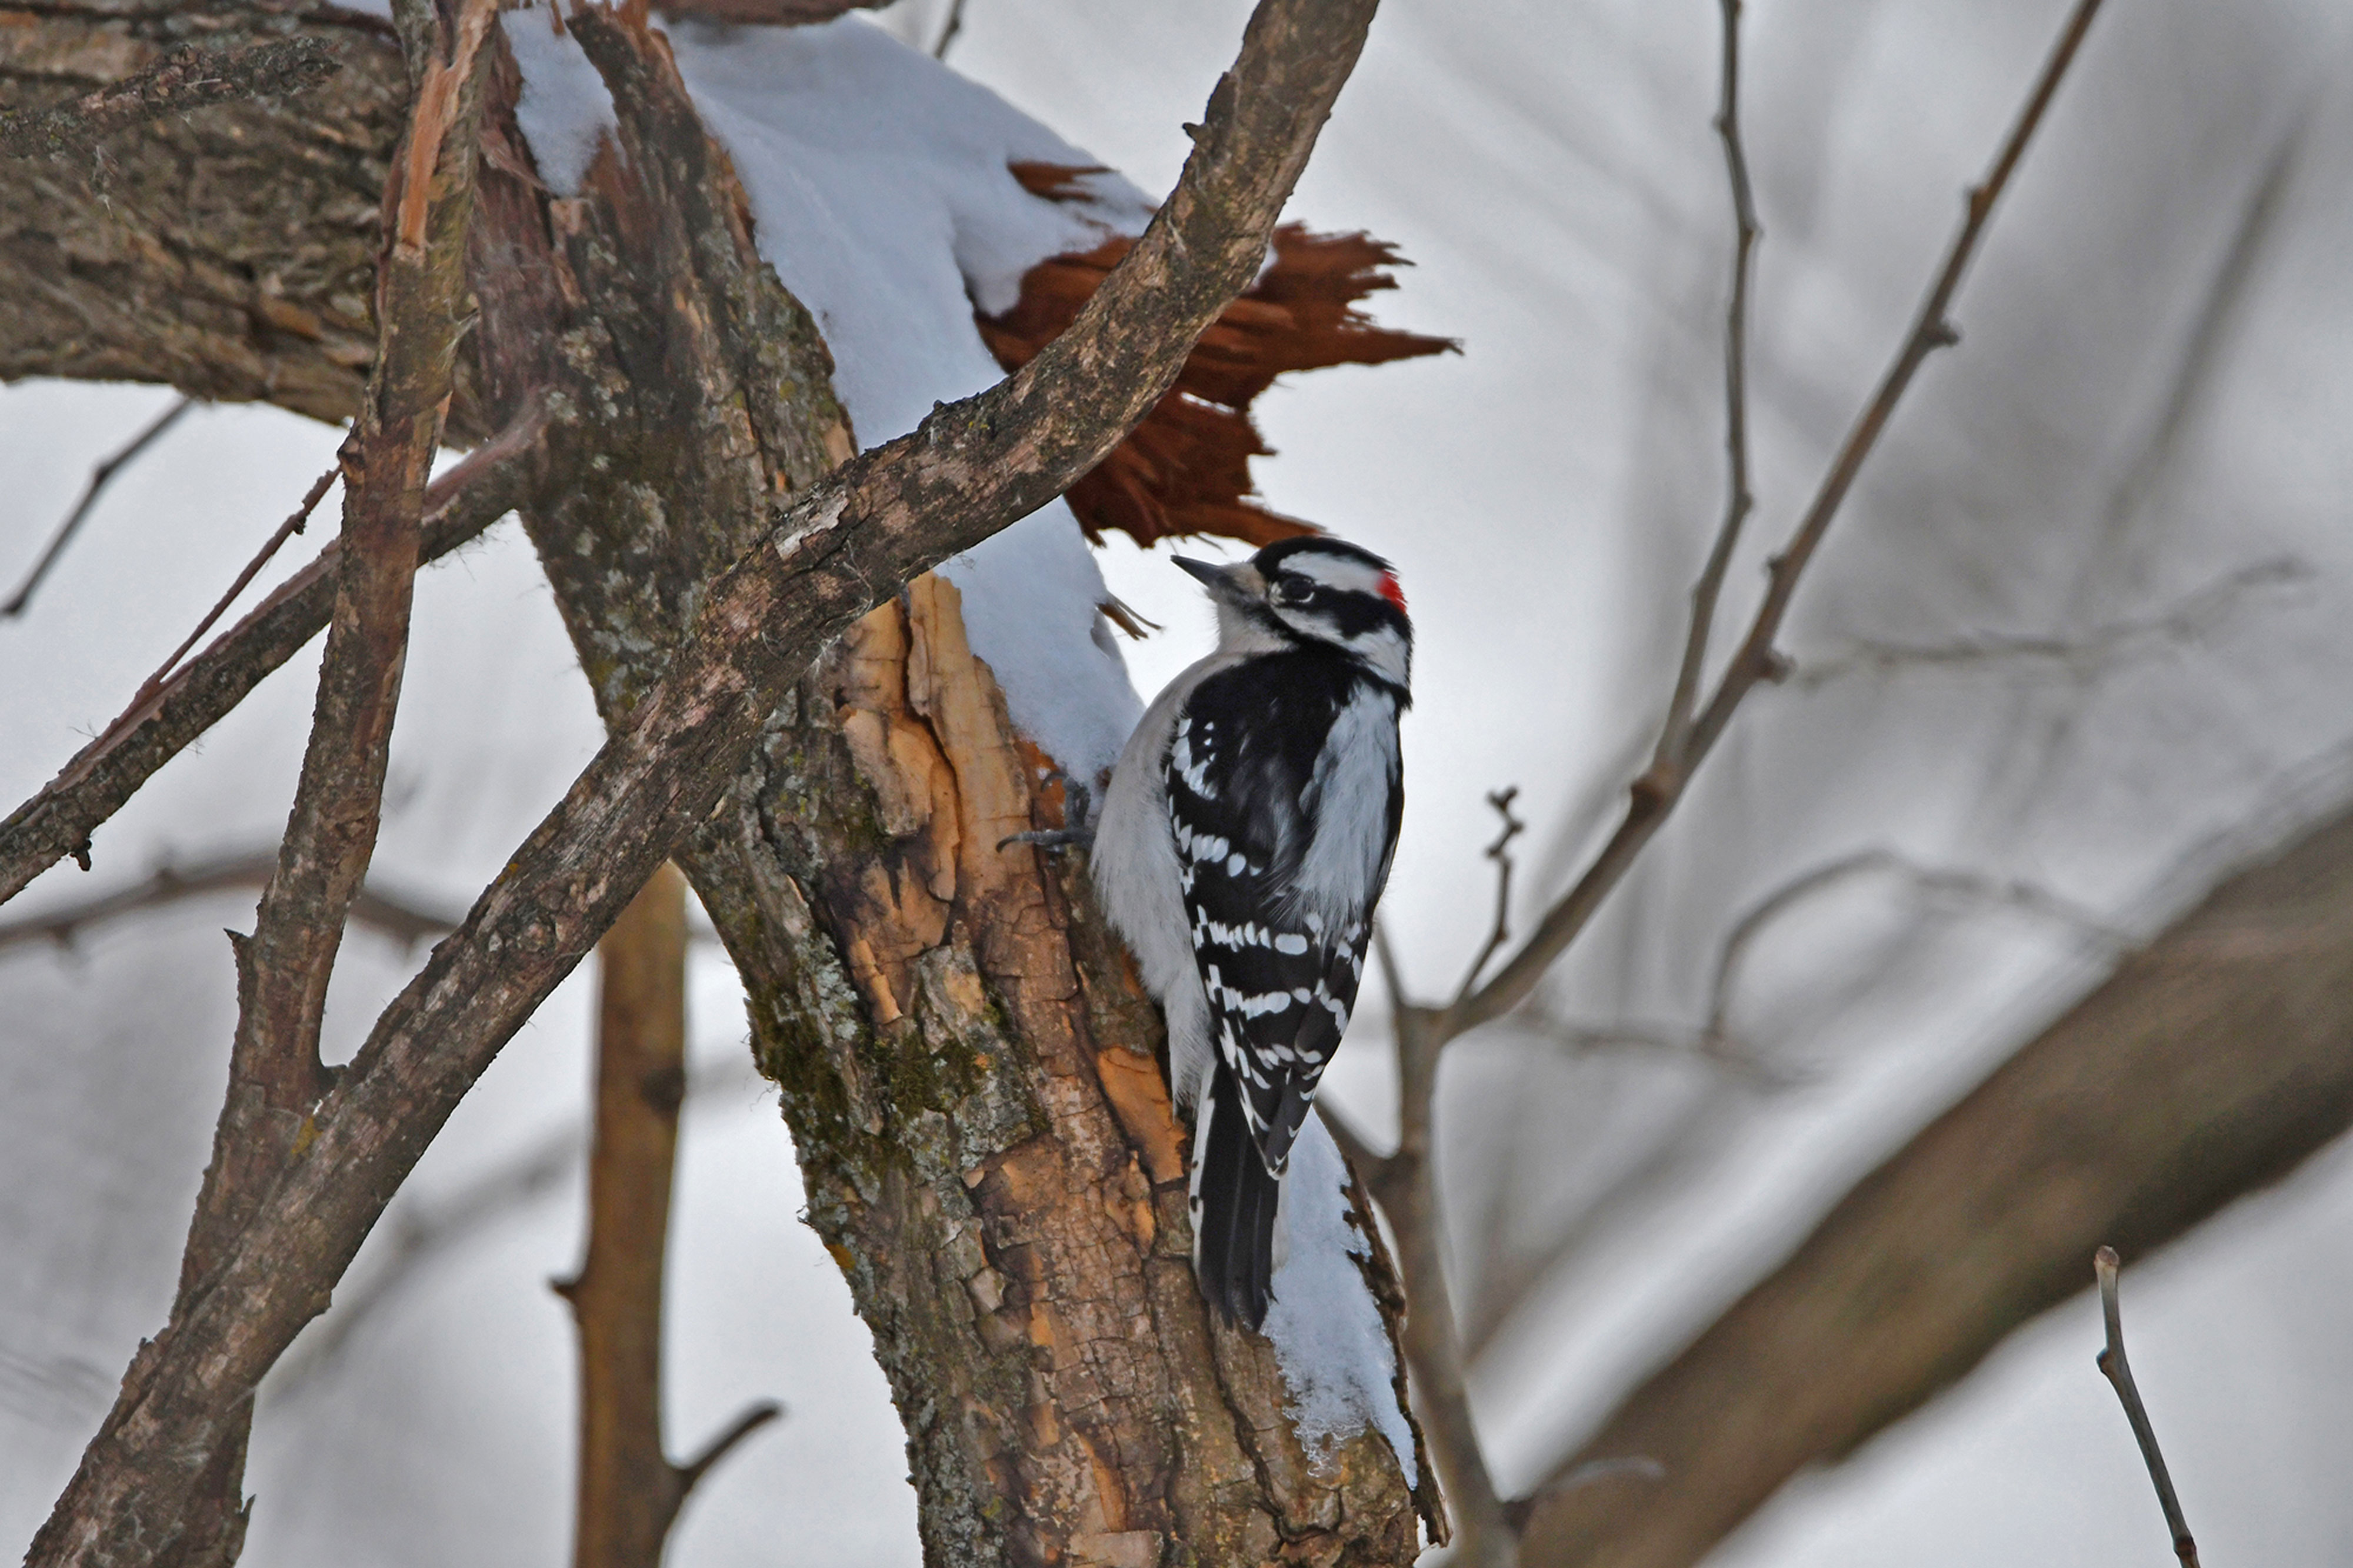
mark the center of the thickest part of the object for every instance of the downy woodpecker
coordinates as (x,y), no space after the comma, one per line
(1244,839)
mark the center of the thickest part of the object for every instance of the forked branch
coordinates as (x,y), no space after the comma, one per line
(1404,1181)
(181,701)
(1654,796)
(1674,735)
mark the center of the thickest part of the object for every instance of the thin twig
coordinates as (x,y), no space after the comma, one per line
(1500,852)
(295,523)
(188,78)
(403,921)
(2113,1361)
(1675,733)
(59,820)
(754,1417)
(2191,616)
(948,34)
(1655,795)
(101,477)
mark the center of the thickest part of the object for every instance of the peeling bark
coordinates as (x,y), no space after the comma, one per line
(966,1058)
(988,1147)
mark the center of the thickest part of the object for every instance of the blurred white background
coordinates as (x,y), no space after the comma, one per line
(2152,396)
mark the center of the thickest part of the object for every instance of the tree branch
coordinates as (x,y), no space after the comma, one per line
(627,1494)
(275,1077)
(402,921)
(100,476)
(1674,735)
(1655,795)
(838,548)
(2207,1066)
(184,700)
(2118,1369)
(186,78)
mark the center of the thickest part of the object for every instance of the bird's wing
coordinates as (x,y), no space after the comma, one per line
(1280,961)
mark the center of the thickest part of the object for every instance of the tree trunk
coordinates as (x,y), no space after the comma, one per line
(987,1142)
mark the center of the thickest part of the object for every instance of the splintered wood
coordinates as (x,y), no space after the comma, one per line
(1186,468)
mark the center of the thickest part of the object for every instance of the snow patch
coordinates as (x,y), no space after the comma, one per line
(853,147)
(1328,1336)
(564,110)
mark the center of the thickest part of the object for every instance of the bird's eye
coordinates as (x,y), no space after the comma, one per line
(1291,588)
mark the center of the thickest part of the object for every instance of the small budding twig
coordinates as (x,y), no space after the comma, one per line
(1500,852)
(101,477)
(2113,1362)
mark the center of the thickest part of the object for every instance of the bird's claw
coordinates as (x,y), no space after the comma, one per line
(1078,822)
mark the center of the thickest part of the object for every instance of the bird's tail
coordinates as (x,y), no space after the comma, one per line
(1236,1205)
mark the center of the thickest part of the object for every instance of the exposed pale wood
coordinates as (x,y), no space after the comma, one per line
(987,1148)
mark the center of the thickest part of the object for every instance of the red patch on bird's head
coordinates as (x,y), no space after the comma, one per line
(1391,592)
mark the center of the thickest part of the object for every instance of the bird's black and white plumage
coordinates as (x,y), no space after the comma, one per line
(1244,840)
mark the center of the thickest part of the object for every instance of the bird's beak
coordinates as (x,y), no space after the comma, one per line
(1226,582)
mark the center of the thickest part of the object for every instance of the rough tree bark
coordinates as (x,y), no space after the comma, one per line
(987,1143)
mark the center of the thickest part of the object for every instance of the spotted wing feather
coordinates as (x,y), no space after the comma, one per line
(1280,966)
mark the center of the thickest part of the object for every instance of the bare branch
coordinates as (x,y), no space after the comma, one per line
(175,708)
(1371,1166)
(2229,1030)
(626,1497)
(754,1417)
(403,921)
(1500,852)
(835,550)
(2118,1369)
(1674,735)
(276,1076)
(186,78)
(1407,1194)
(101,477)
(1655,795)
(948,33)
(2187,619)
